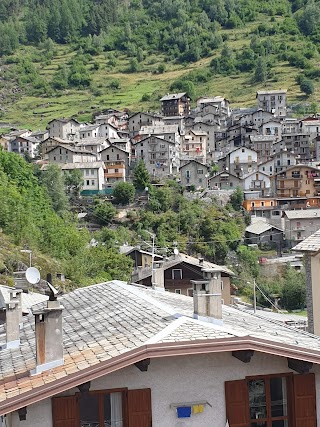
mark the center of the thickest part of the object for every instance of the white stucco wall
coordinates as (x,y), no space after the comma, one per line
(178,380)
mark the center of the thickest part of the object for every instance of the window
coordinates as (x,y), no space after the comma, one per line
(200,171)
(88,182)
(92,171)
(176,274)
(92,182)
(190,292)
(87,171)
(177,291)
(271,401)
(105,408)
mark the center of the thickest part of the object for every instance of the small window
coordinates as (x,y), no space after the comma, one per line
(92,182)
(177,274)
(88,182)
(190,292)
(92,171)
(177,291)
(87,171)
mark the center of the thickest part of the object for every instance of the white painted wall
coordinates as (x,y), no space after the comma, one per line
(178,380)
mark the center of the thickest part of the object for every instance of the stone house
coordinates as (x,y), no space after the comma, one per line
(263,145)
(66,154)
(300,224)
(160,156)
(260,233)
(89,131)
(194,173)
(137,120)
(267,167)
(175,104)
(273,128)
(241,161)
(93,145)
(67,129)
(122,355)
(310,126)
(273,101)
(255,118)
(224,181)
(209,128)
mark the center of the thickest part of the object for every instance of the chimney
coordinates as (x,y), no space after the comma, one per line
(200,261)
(158,276)
(207,296)
(16,295)
(49,339)
(12,324)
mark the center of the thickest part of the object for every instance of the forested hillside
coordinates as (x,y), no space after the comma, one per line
(129,53)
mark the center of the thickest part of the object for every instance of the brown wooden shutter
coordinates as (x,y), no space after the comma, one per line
(305,412)
(139,408)
(237,403)
(65,412)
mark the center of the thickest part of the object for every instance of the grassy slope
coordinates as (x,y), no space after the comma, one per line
(35,112)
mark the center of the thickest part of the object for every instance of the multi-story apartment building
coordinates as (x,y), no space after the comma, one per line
(296,181)
(175,104)
(263,145)
(160,156)
(194,146)
(273,101)
(117,164)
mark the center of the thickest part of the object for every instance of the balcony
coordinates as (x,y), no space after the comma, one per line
(298,229)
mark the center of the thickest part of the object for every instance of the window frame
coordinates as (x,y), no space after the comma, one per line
(101,393)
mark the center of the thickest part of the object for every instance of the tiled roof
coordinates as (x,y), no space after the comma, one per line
(260,227)
(303,213)
(28,299)
(111,321)
(310,244)
(171,96)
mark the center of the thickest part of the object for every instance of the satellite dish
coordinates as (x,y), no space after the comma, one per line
(176,251)
(33,275)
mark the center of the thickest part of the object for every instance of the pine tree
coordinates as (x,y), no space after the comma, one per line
(141,177)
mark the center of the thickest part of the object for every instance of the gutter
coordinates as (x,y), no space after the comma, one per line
(153,351)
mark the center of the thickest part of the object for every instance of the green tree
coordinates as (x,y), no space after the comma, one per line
(236,199)
(261,71)
(307,86)
(294,290)
(53,180)
(74,182)
(141,177)
(124,193)
(104,212)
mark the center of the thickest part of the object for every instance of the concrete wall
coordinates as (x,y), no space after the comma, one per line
(178,380)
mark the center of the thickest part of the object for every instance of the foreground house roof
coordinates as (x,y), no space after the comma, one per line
(310,244)
(109,326)
(260,227)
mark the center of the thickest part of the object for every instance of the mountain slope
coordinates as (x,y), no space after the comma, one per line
(127,54)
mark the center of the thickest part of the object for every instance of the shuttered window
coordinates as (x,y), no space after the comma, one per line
(65,412)
(139,408)
(305,400)
(272,401)
(114,408)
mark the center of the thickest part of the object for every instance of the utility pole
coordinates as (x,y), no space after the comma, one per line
(254,296)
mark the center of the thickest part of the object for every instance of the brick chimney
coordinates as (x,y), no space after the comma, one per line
(207,296)
(49,338)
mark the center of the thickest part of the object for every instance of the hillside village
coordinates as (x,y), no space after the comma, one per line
(273,157)
(119,354)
